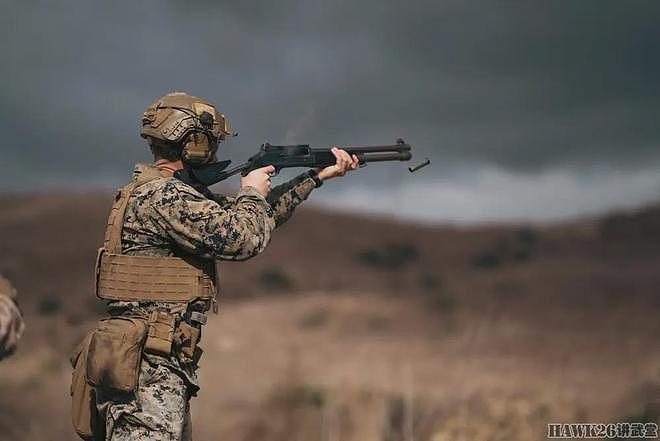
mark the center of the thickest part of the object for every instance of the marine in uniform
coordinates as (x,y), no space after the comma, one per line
(11,320)
(135,374)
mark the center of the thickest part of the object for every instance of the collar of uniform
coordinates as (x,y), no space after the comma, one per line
(146,173)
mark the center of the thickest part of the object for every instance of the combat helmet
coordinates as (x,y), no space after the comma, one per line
(195,124)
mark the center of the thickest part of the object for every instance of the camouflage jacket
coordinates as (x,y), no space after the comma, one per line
(11,321)
(166,217)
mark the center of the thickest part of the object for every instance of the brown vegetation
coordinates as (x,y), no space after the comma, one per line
(395,330)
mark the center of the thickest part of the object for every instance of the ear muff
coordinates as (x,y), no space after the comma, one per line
(198,149)
(201,144)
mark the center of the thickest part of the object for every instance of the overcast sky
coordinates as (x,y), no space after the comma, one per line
(529,110)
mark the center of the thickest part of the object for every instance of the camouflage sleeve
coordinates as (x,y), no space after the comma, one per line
(11,320)
(286,197)
(236,230)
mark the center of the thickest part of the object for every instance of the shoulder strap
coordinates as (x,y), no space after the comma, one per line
(143,174)
(112,241)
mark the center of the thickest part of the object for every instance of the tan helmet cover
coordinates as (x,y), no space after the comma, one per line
(178,117)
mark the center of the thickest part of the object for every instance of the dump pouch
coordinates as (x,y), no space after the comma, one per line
(115,351)
(161,333)
(84,415)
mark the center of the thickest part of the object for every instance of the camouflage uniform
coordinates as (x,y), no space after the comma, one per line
(11,321)
(166,217)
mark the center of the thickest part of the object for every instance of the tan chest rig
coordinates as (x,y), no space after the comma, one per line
(138,278)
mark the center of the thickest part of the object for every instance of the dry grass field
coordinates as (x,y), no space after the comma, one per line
(353,328)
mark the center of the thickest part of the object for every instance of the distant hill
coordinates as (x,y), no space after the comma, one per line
(573,303)
(49,243)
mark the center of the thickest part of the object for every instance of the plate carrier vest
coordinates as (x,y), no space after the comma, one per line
(161,279)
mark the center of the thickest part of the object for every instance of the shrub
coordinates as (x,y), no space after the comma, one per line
(314,319)
(512,247)
(295,396)
(377,323)
(49,305)
(389,257)
(429,282)
(442,301)
(275,279)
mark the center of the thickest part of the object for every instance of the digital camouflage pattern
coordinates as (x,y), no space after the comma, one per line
(166,217)
(286,197)
(159,410)
(11,320)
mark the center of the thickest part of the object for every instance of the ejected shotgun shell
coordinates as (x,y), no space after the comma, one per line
(426,162)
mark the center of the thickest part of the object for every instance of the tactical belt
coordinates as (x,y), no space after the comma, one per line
(135,278)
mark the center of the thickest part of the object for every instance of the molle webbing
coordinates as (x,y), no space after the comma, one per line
(135,278)
(163,279)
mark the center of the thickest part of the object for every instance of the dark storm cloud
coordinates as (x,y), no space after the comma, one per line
(523,86)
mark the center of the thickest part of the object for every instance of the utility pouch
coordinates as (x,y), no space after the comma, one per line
(115,351)
(186,339)
(84,415)
(161,333)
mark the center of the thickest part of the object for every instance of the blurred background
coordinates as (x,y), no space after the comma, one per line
(512,283)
